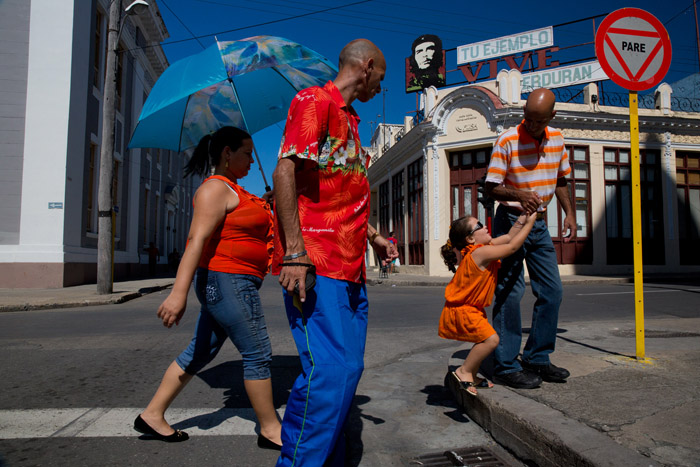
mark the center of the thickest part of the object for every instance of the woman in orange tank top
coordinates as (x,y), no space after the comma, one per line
(228,255)
(477,255)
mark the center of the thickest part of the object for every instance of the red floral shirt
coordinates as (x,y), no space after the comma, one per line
(333,192)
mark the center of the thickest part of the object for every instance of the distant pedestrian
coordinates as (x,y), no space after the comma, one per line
(153,254)
(528,168)
(322,214)
(228,254)
(471,290)
(173,260)
(392,265)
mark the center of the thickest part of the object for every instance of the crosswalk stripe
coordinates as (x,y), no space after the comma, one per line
(118,422)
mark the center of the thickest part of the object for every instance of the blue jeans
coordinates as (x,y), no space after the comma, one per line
(541,259)
(230,308)
(330,330)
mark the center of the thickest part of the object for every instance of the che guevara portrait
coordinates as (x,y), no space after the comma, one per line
(426,65)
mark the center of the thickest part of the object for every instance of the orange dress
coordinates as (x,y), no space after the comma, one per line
(467,295)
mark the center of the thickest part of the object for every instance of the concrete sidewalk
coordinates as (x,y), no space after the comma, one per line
(613,411)
(81,295)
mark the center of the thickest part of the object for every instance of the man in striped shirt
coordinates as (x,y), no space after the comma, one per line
(527,169)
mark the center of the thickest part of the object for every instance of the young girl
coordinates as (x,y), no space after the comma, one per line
(471,290)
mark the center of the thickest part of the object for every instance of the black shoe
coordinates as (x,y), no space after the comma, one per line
(519,379)
(548,372)
(141,426)
(265,443)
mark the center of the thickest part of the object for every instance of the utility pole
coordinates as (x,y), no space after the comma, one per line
(104,196)
(383,118)
(697,32)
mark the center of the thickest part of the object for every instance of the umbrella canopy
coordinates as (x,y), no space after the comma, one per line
(248,84)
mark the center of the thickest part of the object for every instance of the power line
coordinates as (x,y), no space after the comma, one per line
(183,24)
(680,12)
(364,17)
(258,25)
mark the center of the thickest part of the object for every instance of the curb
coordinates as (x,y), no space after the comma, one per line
(405,283)
(537,433)
(73,303)
(564,281)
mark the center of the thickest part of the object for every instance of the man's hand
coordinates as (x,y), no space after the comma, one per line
(291,276)
(529,200)
(385,249)
(570,226)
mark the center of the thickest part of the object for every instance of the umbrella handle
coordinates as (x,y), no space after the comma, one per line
(267,187)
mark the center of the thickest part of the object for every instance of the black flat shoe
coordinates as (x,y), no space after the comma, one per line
(265,443)
(548,372)
(519,380)
(141,426)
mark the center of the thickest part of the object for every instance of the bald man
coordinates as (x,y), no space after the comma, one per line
(322,229)
(527,169)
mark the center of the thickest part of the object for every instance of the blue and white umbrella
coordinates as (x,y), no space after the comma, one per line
(247,83)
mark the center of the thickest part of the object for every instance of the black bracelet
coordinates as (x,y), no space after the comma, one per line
(294,255)
(308,265)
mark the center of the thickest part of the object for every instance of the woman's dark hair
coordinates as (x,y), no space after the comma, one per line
(457,240)
(207,154)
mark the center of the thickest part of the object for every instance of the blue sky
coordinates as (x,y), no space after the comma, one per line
(327,26)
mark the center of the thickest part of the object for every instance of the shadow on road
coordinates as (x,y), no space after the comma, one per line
(354,447)
(229,376)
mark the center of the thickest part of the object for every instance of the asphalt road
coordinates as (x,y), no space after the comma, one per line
(77,377)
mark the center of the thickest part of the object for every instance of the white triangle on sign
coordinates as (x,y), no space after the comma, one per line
(634,51)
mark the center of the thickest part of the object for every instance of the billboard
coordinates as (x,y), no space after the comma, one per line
(564,76)
(426,65)
(507,45)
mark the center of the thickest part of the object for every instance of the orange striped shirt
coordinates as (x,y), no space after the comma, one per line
(520,161)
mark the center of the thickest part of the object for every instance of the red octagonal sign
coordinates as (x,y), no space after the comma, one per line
(633,48)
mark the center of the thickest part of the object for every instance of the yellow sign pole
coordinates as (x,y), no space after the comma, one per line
(114,220)
(637,227)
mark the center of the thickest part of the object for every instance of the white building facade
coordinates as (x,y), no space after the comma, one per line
(428,176)
(53,55)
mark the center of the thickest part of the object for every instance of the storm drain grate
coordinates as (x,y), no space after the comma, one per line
(473,457)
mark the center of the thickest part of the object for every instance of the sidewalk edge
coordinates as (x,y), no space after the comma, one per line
(536,432)
(72,303)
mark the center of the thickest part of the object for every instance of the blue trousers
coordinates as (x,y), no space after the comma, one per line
(330,330)
(541,259)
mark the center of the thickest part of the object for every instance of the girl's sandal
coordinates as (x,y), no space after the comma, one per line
(483,383)
(468,386)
